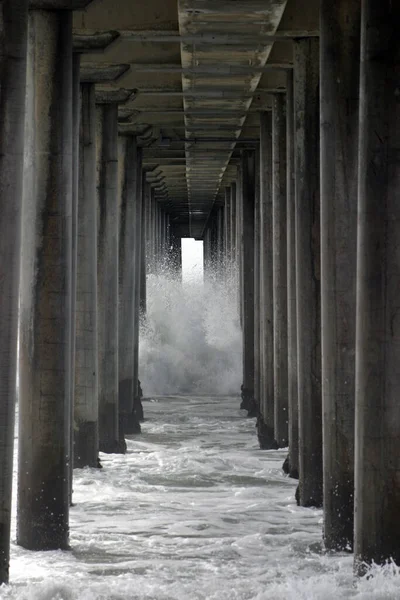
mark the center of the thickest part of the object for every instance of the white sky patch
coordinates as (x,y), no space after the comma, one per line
(192,259)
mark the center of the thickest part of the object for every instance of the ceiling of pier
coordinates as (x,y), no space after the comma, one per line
(191,77)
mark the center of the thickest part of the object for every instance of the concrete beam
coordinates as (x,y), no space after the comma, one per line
(208,92)
(95,73)
(95,41)
(59,4)
(227,70)
(214,39)
(118,96)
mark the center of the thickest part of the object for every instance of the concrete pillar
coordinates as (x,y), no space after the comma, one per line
(239,238)
(248,199)
(86,409)
(137,263)
(76,117)
(280,269)
(153,231)
(293,466)
(227,231)
(176,254)
(266,420)
(306,107)
(45,303)
(107,272)
(340,66)
(233,228)
(220,241)
(149,231)
(213,243)
(257,287)
(128,174)
(13,47)
(377,445)
(143,261)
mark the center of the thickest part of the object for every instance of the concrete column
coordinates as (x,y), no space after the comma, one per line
(149,231)
(257,287)
(213,243)
(340,66)
(143,261)
(153,231)
(233,228)
(86,409)
(128,174)
(76,116)
(306,107)
(266,420)
(176,254)
(13,49)
(227,230)
(220,241)
(248,199)
(107,271)
(377,445)
(280,269)
(45,303)
(137,262)
(293,466)
(239,238)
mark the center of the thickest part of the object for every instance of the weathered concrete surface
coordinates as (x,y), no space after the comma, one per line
(13,46)
(266,421)
(45,305)
(137,262)
(86,408)
(306,110)
(146,194)
(280,270)
(227,230)
(127,195)
(377,445)
(293,402)
(340,66)
(107,272)
(233,229)
(76,116)
(248,208)
(257,287)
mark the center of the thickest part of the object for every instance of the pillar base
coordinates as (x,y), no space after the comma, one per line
(116,447)
(137,404)
(129,424)
(248,402)
(86,445)
(265,435)
(288,469)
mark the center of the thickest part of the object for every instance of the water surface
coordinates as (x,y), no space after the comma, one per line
(193,511)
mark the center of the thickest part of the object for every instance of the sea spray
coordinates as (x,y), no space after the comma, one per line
(190,341)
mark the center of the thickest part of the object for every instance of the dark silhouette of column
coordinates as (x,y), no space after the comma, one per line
(248,207)
(45,306)
(128,187)
(280,269)
(86,408)
(266,420)
(13,50)
(306,110)
(377,441)
(107,271)
(137,399)
(293,459)
(340,67)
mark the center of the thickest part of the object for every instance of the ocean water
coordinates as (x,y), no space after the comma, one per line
(191,341)
(194,510)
